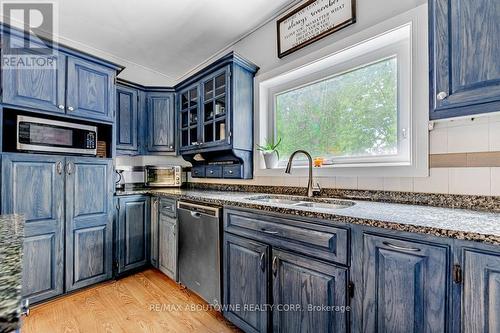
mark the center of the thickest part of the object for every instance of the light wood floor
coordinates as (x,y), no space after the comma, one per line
(138,303)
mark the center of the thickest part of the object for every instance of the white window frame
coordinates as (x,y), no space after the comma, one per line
(404,37)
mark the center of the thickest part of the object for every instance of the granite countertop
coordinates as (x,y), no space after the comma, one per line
(447,222)
(11,252)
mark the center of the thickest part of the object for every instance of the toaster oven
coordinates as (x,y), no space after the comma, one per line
(163,176)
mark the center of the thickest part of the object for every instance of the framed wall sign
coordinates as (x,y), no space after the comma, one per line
(312,21)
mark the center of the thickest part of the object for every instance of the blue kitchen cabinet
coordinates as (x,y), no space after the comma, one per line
(127,121)
(90,90)
(33,185)
(89,220)
(145,120)
(463,58)
(481,291)
(312,285)
(215,118)
(246,281)
(76,85)
(405,285)
(133,233)
(41,88)
(161,122)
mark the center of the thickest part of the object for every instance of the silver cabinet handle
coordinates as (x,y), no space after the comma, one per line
(70,108)
(442,95)
(59,167)
(263,261)
(60,106)
(275,265)
(402,248)
(270,232)
(69,168)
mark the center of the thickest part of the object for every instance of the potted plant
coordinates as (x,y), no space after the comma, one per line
(270,153)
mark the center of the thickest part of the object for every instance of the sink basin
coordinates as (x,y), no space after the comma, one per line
(304,201)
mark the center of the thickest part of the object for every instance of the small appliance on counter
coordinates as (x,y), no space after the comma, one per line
(163,176)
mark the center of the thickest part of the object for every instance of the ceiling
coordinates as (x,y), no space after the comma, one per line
(159,40)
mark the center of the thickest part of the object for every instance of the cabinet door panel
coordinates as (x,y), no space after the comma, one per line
(90,90)
(126,119)
(405,286)
(246,280)
(161,122)
(167,241)
(89,218)
(38,87)
(464,57)
(33,186)
(133,233)
(305,282)
(481,292)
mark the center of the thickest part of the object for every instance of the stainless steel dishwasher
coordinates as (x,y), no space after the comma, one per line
(199,250)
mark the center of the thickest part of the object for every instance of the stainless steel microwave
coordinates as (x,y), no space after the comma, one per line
(46,135)
(163,176)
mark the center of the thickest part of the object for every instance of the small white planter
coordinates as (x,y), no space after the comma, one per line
(270,159)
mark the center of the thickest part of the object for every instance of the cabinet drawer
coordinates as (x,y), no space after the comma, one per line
(213,171)
(198,171)
(167,207)
(231,171)
(324,242)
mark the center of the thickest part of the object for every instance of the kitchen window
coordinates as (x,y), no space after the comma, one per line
(359,109)
(351,116)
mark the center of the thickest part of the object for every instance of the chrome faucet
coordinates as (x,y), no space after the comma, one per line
(311,190)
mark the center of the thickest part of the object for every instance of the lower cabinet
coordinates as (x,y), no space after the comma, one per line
(167,239)
(67,203)
(315,287)
(481,292)
(246,282)
(268,286)
(133,233)
(404,285)
(33,185)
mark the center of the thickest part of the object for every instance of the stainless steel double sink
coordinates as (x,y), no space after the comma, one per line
(324,203)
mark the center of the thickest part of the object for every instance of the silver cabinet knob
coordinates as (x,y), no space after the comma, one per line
(171,147)
(230,172)
(70,108)
(442,95)
(211,171)
(60,106)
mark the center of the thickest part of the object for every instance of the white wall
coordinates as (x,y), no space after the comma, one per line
(480,134)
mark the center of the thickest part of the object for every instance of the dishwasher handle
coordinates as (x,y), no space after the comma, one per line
(198,210)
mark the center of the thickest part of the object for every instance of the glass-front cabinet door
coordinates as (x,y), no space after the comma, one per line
(189,112)
(215,113)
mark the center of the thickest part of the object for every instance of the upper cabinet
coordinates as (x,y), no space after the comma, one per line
(145,120)
(214,104)
(127,119)
(36,87)
(215,119)
(76,84)
(161,123)
(464,51)
(89,89)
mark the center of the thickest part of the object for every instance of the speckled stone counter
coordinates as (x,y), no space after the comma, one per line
(447,222)
(11,252)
